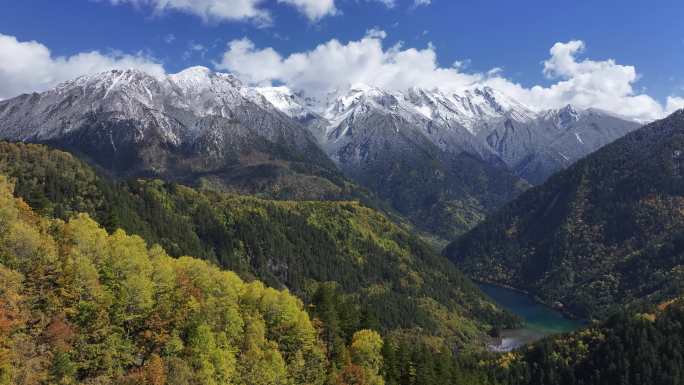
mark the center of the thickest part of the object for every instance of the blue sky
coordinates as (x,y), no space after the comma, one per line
(513,36)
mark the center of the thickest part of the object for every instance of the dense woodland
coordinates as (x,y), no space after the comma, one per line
(628,348)
(82,303)
(83,306)
(607,232)
(79,305)
(394,279)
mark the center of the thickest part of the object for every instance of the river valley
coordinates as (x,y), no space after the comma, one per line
(540,320)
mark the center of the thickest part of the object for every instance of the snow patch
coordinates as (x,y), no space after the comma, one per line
(425,110)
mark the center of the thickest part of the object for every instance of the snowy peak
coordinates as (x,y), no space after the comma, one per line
(361,96)
(286,101)
(472,109)
(198,79)
(178,106)
(469,108)
(108,84)
(197,76)
(566,116)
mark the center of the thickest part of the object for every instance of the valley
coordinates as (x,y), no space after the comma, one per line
(599,236)
(441,160)
(539,320)
(317,227)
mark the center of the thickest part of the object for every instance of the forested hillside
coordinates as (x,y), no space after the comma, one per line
(391,278)
(634,348)
(79,305)
(607,232)
(629,348)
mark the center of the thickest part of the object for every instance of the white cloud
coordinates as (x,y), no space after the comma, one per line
(585,83)
(494,72)
(418,3)
(257,67)
(387,3)
(674,103)
(235,10)
(335,65)
(195,49)
(208,10)
(462,64)
(313,9)
(376,33)
(29,66)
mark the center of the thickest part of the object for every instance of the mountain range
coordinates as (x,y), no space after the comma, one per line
(442,160)
(605,233)
(83,302)
(481,121)
(194,124)
(395,279)
(82,305)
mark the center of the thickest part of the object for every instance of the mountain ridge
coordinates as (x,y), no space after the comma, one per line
(384,270)
(605,232)
(442,160)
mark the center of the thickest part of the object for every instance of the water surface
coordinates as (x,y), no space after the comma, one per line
(540,320)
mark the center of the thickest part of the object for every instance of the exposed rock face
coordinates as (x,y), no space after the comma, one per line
(481,121)
(194,123)
(442,159)
(607,231)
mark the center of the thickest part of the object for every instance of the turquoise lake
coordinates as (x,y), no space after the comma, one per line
(540,320)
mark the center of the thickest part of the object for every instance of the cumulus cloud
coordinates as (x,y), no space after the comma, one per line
(585,83)
(335,65)
(235,10)
(29,66)
(674,103)
(387,3)
(208,10)
(313,9)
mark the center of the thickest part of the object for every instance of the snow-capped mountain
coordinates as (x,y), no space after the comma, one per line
(185,98)
(481,121)
(449,121)
(288,102)
(554,140)
(193,122)
(413,153)
(471,110)
(443,159)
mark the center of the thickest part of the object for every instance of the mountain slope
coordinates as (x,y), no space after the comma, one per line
(188,126)
(79,305)
(628,348)
(445,160)
(605,232)
(440,177)
(554,140)
(389,274)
